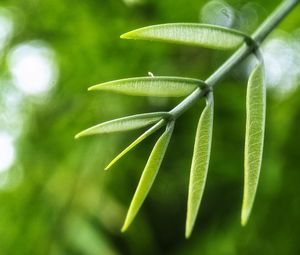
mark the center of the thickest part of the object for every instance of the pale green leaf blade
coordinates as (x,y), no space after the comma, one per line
(204,35)
(200,164)
(124,124)
(254,140)
(159,86)
(149,174)
(141,138)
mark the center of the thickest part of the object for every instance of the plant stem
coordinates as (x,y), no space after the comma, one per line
(258,36)
(270,23)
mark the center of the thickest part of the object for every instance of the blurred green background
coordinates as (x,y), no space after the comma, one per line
(55,197)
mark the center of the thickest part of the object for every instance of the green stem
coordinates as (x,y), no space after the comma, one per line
(258,36)
(278,15)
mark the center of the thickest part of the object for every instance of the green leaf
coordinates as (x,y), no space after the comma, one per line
(204,35)
(162,86)
(149,174)
(124,124)
(255,127)
(200,164)
(141,138)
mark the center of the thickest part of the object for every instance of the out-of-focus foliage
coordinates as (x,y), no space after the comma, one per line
(55,197)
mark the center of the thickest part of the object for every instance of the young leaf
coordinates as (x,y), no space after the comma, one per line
(200,163)
(141,138)
(160,86)
(204,35)
(149,174)
(255,126)
(124,124)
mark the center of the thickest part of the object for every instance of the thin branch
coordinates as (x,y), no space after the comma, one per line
(258,36)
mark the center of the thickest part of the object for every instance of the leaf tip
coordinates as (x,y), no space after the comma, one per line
(244,218)
(188,233)
(82,133)
(77,136)
(246,210)
(107,167)
(189,226)
(125,227)
(92,88)
(126,35)
(244,222)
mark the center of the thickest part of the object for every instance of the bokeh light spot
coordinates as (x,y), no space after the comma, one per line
(282,60)
(33,68)
(217,13)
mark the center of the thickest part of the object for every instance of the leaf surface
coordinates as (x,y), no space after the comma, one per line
(204,35)
(254,140)
(124,124)
(159,86)
(200,164)
(149,174)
